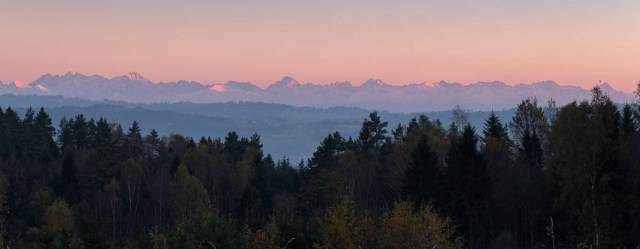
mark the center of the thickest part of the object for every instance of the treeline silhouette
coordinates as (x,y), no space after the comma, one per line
(552,177)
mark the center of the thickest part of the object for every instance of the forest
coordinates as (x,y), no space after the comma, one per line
(551,177)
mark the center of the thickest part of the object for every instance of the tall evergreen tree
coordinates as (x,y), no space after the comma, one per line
(45,132)
(80,132)
(468,185)
(68,181)
(628,125)
(372,134)
(494,128)
(424,180)
(103,137)
(134,140)
(155,143)
(12,128)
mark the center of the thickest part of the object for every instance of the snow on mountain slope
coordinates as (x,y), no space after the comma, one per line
(372,94)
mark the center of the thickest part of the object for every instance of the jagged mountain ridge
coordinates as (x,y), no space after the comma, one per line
(372,94)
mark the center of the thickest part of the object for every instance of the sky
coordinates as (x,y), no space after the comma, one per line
(519,41)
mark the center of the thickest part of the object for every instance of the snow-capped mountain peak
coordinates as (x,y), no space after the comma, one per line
(21,84)
(135,76)
(285,82)
(218,88)
(372,94)
(373,83)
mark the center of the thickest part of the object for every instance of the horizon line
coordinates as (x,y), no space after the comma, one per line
(139,76)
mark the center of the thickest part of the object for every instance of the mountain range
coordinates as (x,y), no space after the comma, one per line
(371,94)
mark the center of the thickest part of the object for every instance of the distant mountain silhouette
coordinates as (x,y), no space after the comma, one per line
(372,94)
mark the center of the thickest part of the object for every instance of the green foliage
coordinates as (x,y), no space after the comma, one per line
(4,185)
(530,118)
(586,171)
(97,185)
(58,230)
(424,179)
(406,228)
(344,227)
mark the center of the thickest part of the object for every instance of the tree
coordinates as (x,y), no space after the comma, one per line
(80,132)
(191,200)
(134,140)
(468,186)
(131,175)
(11,131)
(155,144)
(573,183)
(586,172)
(629,125)
(321,182)
(424,179)
(103,137)
(343,227)
(372,134)
(494,128)
(44,132)
(59,227)
(197,226)
(69,188)
(530,118)
(460,117)
(404,228)
(4,186)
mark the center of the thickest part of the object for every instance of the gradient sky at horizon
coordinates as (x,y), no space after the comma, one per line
(571,42)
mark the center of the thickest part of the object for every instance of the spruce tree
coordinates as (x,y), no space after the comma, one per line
(80,132)
(628,124)
(468,187)
(134,140)
(494,128)
(423,181)
(69,188)
(44,135)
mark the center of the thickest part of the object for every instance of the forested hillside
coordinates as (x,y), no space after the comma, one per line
(563,177)
(279,125)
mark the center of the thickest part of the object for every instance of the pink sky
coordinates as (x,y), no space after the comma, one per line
(571,42)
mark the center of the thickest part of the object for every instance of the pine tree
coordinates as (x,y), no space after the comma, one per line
(80,132)
(233,147)
(29,136)
(372,134)
(629,125)
(12,130)
(156,144)
(45,132)
(398,133)
(69,188)
(424,180)
(65,134)
(103,141)
(530,151)
(468,187)
(494,128)
(134,140)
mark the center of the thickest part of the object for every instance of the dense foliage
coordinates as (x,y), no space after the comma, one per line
(549,178)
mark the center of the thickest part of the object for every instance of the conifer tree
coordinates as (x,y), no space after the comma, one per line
(629,125)
(424,180)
